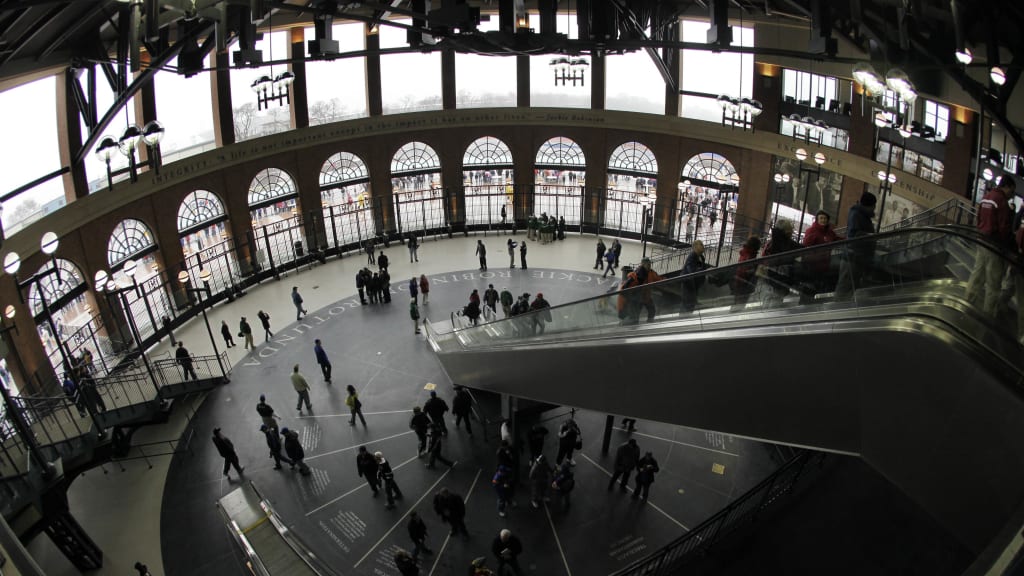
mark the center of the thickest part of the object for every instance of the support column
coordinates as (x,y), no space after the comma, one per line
(862,143)
(960,145)
(299,108)
(374,101)
(220,92)
(448,86)
(145,112)
(767,90)
(76,184)
(598,75)
(671,59)
(523,81)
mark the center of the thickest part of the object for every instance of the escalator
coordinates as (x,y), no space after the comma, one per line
(900,369)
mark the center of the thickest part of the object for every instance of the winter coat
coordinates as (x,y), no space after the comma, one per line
(419,422)
(366,465)
(627,456)
(462,402)
(646,469)
(995,218)
(299,382)
(273,440)
(224,446)
(745,280)
(292,446)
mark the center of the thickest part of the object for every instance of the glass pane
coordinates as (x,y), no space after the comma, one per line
(211,249)
(714,73)
(634,83)
(543,90)
(199,207)
(409,82)
(130,237)
(30,151)
(485,81)
(271,183)
(277,229)
(326,102)
(96,169)
(185,107)
(249,121)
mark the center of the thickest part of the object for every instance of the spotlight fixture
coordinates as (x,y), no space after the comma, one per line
(964,56)
(898,81)
(998,75)
(885,177)
(867,77)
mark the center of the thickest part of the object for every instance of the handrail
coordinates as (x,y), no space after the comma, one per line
(740,512)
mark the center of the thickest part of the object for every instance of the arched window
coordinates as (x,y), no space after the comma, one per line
(270,185)
(345,200)
(708,169)
(559,176)
(632,185)
(487,181)
(708,194)
(416,186)
(198,210)
(130,239)
(54,285)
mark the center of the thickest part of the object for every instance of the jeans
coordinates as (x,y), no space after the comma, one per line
(303,397)
(325,368)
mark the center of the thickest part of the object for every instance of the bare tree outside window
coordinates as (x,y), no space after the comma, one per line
(244,117)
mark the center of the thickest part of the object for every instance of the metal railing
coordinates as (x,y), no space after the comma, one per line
(741,512)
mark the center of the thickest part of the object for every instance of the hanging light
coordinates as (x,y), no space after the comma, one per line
(964,56)
(48,243)
(756,108)
(204,275)
(800,154)
(819,158)
(10,311)
(905,131)
(881,119)
(101,278)
(986,174)
(152,133)
(866,75)
(129,140)
(898,81)
(183,277)
(998,75)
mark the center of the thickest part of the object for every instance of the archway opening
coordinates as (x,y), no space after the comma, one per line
(559,173)
(416,186)
(206,241)
(632,187)
(708,194)
(345,197)
(487,182)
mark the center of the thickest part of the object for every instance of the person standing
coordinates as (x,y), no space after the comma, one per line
(293,448)
(563,484)
(569,439)
(361,287)
(368,246)
(617,248)
(504,215)
(387,478)
(502,482)
(355,406)
(858,255)
(481,252)
(227,451)
(543,312)
(995,223)
(452,510)
(646,468)
(71,391)
(418,534)
(274,444)
(185,360)
(507,548)
(436,446)
(540,477)
(373,287)
(322,360)
(561,227)
(382,262)
(245,331)
(601,249)
(414,313)
(745,280)
(491,299)
(414,246)
(511,253)
(506,302)
(385,286)
(535,439)
(694,263)
(419,424)
(366,466)
(302,388)
(522,254)
(406,564)
(297,301)
(413,288)
(462,406)
(424,287)
(265,321)
(435,408)
(225,333)
(266,412)
(626,458)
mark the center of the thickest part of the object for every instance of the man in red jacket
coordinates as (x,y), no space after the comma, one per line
(994,222)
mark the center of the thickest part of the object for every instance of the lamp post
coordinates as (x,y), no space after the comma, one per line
(152,134)
(204,276)
(885,181)
(104,151)
(781,180)
(128,142)
(819,159)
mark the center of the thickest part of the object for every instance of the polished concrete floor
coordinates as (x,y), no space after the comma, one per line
(166,516)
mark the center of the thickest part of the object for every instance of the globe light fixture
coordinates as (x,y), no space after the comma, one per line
(12,263)
(964,56)
(48,243)
(998,75)
(800,154)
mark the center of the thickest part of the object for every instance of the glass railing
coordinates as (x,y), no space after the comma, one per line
(894,269)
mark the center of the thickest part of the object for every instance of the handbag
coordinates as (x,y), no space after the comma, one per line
(579,442)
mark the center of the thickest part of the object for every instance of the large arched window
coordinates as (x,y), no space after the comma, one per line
(559,175)
(61,304)
(276,221)
(54,284)
(345,198)
(416,185)
(632,185)
(205,241)
(708,192)
(132,255)
(487,181)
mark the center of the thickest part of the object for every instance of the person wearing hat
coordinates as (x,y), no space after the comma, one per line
(227,451)
(245,331)
(274,444)
(507,548)
(858,255)
(266,412)
(543,312)
(387,477)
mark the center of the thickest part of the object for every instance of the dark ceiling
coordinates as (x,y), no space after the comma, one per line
(918,35)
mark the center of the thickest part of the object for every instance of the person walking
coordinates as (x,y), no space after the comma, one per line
(995,223)
(369,247)
(245,331)
(322,360)
(435,447)
(355,407)
(225,333)
(413,288)
(406,564)
(506,300)
(569,439)
(185,360)
(387,477)
(420,424)
(543,312)
(507,548)
(617,248)
(418,534)
(540,477)
(424,287)
(491,301)
(481,252)
(382,262)
(435,408)
(512,253)
(626,458)
(564,483)
(522,254)
(856,261)
(297,301)
(71,391)
(601,249)
(265,321)
(227,451)
(293,448)
(274,444)
(502,482)
(646,468)
(302,388)
(414,247)
(366,466)
(414,313)
(609,259)
(266,412)
(452,510)
(462,406)
(361,287)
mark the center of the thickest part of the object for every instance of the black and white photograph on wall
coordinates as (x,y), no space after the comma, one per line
(898,210)
(817,191)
